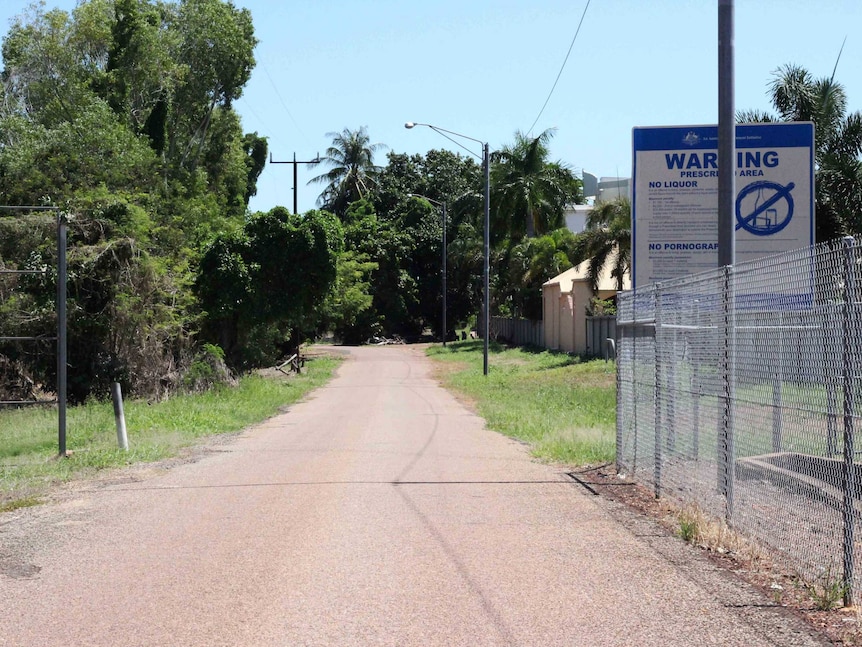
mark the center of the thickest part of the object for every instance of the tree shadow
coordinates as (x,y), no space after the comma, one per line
(561,358)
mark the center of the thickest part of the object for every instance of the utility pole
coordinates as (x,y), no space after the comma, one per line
(726,248)
(316,160)
(726,137)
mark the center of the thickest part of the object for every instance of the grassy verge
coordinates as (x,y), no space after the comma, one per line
(28,437)
(563,407)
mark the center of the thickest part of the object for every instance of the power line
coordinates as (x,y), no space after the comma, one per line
(577,31)
(283,103)
(265,126)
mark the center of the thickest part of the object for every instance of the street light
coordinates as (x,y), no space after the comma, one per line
(487,166)
(443,218)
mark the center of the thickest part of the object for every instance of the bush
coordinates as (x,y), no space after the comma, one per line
(207,370)
(601,307)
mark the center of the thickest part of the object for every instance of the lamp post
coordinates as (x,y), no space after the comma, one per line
(442,205)
(486,251)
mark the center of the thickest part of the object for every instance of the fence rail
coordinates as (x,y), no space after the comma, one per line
(738,391)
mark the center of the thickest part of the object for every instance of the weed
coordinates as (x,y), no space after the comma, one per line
(777,592)
(688,530)
(16,504)
(827,590)
(710,533)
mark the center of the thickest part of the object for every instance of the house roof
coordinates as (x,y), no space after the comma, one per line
(579,274)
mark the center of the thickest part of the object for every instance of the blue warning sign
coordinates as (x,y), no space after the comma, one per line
(675,196)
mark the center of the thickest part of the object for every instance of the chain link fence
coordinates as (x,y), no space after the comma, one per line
(739,390)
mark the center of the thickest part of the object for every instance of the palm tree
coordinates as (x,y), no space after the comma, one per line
(798,96)
(353,172)
(607,237)
(530,193)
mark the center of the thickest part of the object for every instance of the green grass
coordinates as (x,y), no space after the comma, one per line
(563,407)
(28,437)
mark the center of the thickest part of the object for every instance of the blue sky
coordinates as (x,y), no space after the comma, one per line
(485,67)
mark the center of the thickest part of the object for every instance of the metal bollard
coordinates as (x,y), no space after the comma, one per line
(119,416)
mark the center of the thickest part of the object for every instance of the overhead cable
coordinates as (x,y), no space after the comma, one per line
(577,31)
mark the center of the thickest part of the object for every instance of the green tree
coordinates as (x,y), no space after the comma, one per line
(607,239)
(268,283)
(412,258)
(422,225)
(439,175)
(526,266)
(255,148)
(797,96)
(216,50)
(465,267)
(529,193)
(224,285)
(42,76)
(227,163)
(141,72)
(292,260)
(347,310)
(393,290)
(121,111)
(353,173)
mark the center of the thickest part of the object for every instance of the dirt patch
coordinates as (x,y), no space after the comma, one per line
(440,371)
(764,569)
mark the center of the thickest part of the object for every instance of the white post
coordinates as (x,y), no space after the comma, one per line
(117,396)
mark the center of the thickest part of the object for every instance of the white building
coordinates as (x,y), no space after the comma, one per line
(596,190)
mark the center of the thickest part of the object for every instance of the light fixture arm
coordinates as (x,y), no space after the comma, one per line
(445,133)
(486,167)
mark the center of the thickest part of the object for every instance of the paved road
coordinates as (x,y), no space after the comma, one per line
(379,512)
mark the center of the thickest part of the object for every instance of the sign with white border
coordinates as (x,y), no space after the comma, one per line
(675,196)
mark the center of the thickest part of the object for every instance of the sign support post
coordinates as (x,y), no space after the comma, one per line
(726,243)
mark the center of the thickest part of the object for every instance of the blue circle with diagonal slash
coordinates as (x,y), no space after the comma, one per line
(763,220)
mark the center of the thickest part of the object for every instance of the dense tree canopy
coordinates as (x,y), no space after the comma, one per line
(396,231)
(530,193)
(799,96)
(269,279)
(121,112)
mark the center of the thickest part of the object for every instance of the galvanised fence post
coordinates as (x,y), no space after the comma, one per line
(726,450)
(657,392)
(777,383)
(62,227)
(849,370)
(620,333)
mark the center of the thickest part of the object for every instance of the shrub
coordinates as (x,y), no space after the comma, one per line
(207,370)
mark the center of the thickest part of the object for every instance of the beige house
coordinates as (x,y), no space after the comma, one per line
(564,306)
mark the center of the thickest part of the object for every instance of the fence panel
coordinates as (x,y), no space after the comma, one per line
(61,340)
(779,460)
(521,332)
(599,331)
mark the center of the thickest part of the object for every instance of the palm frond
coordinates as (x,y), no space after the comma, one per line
(754,117)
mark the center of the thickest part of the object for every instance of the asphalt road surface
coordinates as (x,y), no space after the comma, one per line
(378,512)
